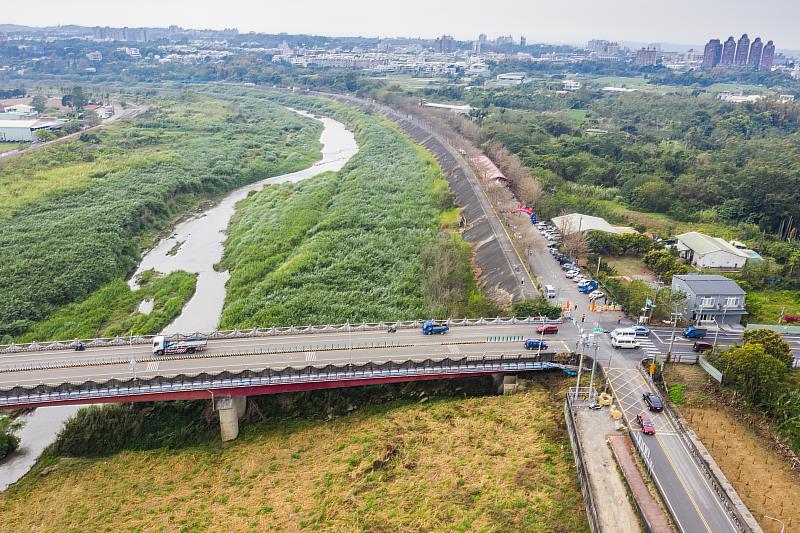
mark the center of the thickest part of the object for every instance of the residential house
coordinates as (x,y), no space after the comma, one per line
(702,251)
(710,299)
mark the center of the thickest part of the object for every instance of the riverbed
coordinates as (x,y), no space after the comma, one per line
(196,245)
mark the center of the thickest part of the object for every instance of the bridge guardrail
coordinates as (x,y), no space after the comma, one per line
(586,489)
(116,388)
(271,332)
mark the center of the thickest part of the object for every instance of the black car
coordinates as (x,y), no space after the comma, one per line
(653,402)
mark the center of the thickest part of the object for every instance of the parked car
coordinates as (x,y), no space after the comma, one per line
(569,266)
(571,274)
(641,331)
(596,295)
(535,344)
(653,402)
(646,424)
(579,278)
(546,328)
(700,346)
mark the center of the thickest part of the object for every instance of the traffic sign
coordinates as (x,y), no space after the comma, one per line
(597,330)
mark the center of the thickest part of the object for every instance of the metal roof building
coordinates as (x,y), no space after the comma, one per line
(703,251)
(577,222)
(22,130)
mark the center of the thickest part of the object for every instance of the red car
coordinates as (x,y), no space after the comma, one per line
(646,424)
(547,329)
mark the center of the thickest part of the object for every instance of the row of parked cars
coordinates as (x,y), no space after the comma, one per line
(572,271)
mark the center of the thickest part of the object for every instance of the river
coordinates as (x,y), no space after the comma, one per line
(199,241)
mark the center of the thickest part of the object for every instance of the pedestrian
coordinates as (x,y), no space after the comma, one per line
(619,319)
(576,307)
(583,317)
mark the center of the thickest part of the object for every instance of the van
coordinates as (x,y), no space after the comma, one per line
(624,342)
(549,291)
(623,333)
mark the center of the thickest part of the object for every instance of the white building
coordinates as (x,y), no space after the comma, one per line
(22,130)
(94,56)
(577,222)
(572,85)
(703,251)
(511,78)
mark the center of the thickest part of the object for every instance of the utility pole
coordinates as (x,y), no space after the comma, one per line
(672,337)
(716,334)
(580,366)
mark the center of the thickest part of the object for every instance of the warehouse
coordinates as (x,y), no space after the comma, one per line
(22,130)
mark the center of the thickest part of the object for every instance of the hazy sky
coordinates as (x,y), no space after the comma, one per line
(573,21)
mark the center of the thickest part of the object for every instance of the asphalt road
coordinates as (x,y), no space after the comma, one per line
(316,349)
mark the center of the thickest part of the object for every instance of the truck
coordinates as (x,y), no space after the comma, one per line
(694,332)
(166,345)
(588,286)
(432,328)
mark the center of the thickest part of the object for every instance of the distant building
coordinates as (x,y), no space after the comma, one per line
(712,54)
(754,59)
(444,44)
(603,50)
(523,42)
(742,51)
(23,130)
(646,57)
(703,251)
(94,56)
(710,299)
(572,85)
(728,52)
(511,78)
(768,56)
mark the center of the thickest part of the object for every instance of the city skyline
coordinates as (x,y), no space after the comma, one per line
(465,20)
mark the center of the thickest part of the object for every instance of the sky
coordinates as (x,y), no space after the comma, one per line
(551,21)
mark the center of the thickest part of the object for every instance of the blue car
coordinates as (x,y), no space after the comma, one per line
(535,344)
(641,331)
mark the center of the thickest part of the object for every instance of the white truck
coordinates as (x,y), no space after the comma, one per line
(165,345)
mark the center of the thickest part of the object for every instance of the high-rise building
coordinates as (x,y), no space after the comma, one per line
(742,50)
(728,52)
(767,56)
(712,54)
(444,44)
(523,42)
(603,49)
(754,59)
(646,57)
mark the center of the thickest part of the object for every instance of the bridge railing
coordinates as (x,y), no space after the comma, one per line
(120,388)
(273,331)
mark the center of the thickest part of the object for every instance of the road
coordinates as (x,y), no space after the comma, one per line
(687,492)
(316,349)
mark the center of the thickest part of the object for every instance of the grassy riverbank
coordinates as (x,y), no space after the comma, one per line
(487,463)
(75,216)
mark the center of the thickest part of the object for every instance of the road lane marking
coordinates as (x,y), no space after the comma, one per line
(453,348)
(152,366)
(310,356)
(683,484)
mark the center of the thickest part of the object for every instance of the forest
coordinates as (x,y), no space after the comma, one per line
(358,245)
(76,216)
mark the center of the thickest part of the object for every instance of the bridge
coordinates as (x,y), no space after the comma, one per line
(238,364)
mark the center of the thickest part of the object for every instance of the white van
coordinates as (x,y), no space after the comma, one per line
(623,333)
(549,291)
(624,342)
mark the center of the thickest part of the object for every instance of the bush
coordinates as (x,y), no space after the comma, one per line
(535,308)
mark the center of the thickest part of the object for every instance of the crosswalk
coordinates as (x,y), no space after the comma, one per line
(311,356)
(648,347)
(152,366)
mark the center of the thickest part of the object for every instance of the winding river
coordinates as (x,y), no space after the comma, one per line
(199,243)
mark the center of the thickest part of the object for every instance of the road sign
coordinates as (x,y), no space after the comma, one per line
(597,330)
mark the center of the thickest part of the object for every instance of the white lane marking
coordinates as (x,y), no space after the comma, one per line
(453,348)
(152,366)
(311,356)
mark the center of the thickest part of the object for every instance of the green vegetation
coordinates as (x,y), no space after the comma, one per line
(766,306)
(358,245)
(677,393)
(500,463)
(7,147)
(112,310)
(75,216)
(9,442)
(538,307)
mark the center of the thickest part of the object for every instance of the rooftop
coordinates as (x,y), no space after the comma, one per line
(703,244)
(577,222)
(710,284)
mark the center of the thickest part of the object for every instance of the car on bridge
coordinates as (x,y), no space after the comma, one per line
(653,402)
(432,328)
(646,424)
(546,328)
(641,331)
(535,344)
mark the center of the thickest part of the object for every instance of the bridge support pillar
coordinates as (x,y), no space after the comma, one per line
(230,411)
(509,384)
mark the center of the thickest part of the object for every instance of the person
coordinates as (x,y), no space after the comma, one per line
(619,319)
(583,317)
(576,307)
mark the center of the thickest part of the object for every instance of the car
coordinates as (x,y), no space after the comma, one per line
(564,260)
(702,346)
(571,274)
(646,424)
(622,342)
(546,328)
(535,344)
(567,266)
(653,402)
(596,295)
(641,331)
(579,278)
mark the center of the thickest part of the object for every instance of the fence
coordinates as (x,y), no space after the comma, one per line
(273,331)
(586,489)
(429,366)
(710,369)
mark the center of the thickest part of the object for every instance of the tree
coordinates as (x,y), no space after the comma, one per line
(8,440)
(77,97)
(39,103)
(537,307)
(753,372)
(772,342)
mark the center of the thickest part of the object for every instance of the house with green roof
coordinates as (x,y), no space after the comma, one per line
(703,251)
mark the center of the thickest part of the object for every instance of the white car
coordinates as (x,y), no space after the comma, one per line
(623,342)
(571,274)
(596,295)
